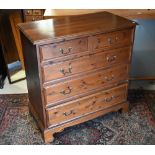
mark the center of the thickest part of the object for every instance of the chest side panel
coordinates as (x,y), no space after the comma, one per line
(32,76)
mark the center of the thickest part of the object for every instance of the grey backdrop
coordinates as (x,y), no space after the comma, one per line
(143,58)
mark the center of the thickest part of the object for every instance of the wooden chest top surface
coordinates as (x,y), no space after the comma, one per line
(72,26)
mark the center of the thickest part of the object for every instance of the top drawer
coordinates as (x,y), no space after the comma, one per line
(63,48)
(112,40)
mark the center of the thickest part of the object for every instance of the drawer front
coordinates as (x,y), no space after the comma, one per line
(112,40)
(92,103)
(63,48)
(33,18)
(86,63)
(85,84)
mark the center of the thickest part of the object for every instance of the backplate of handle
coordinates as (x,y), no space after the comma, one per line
(67,51)
(67,91)
(109,99)
(111,58)
(109,78)
(68,113)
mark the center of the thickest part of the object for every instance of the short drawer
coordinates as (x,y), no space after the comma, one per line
(112,40)
(71,110)
(63,48)
(86,63)
(84,84)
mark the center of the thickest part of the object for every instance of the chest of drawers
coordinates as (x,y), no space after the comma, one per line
(76,68)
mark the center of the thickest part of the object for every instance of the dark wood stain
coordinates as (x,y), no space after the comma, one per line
(77,68)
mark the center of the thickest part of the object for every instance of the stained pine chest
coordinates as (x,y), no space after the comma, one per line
(76,68)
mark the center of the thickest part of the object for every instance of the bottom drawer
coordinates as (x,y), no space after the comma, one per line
(101,100)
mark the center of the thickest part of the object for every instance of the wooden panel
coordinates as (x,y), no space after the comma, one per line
(100,100)
(32,76)
(63,48)
(89,62)
(84,84)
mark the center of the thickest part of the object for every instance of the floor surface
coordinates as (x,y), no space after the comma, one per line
(16,88)
(137,126)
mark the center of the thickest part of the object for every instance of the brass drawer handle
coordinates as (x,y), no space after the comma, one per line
(109,79)
(67,52)
(109,99)
(69,113)
(111,58)
(67,91)
(64,72)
